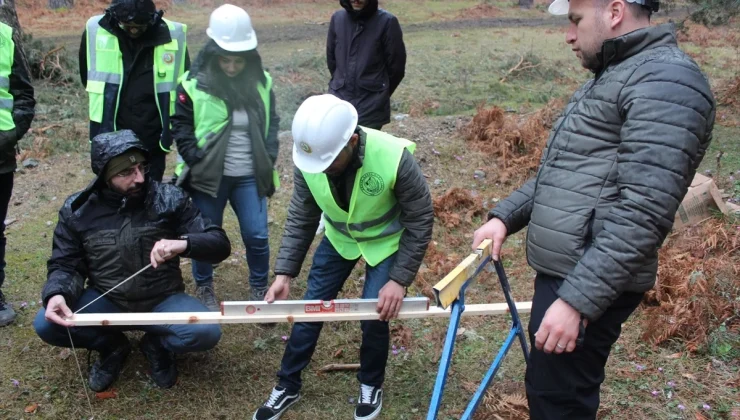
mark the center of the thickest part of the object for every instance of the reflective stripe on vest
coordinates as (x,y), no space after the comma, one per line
(105,67)
(7,51)
(211,115)
(372,227)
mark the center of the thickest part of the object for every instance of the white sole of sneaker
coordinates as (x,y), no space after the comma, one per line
(281,412)
(372,415)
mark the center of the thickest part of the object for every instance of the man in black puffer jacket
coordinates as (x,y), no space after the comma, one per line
(366,57)
(114,228)
(613,173)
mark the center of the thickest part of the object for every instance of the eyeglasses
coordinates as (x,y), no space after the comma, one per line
(127,173)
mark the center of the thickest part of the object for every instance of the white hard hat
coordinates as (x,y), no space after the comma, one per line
(559,7)
(231,28)
(322,126)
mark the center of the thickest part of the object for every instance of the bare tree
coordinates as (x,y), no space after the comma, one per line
(9,17)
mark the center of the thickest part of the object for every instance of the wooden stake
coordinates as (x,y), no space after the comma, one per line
(337,367)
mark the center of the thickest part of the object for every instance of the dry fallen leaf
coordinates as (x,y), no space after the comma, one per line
(338,353)
(32,408)
(106,394)
(699,417)
(64,354)
(689,376)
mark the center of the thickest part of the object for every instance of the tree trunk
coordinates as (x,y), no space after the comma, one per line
(61,4)
(526,4)
(9,17)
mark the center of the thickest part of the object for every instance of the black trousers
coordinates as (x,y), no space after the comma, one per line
(566,385)
(6,189)
(157,162)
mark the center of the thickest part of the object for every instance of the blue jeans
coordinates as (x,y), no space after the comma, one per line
(251,211)
(181,338)
(326,278)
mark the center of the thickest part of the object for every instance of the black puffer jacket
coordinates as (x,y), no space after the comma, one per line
(103,237)
(366,57)
(616,167)
(23,111)
(417,217)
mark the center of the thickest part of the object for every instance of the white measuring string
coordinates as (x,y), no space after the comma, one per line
(74,353)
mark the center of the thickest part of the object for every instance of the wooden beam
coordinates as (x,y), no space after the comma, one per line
(448,289)
(163,318)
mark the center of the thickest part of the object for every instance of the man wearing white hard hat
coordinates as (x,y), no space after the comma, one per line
(617,164)
(377,207)
(130,61)
(226,127)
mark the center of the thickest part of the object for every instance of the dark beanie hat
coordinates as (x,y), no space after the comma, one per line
(122,162)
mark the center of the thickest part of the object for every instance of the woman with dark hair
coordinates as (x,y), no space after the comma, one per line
(225,127)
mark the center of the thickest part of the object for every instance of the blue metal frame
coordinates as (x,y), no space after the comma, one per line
(458,307)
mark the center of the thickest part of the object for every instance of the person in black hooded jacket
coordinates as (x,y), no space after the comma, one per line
(120,223)
(366,57)
(130,60)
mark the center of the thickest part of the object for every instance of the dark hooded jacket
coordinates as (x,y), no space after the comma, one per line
(137,106)
(23,111)
(206,165)
(366,57)
(104,237)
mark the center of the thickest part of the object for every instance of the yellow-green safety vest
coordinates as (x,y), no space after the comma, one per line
(7,50)
(211,115)
(372,227)
(105,67)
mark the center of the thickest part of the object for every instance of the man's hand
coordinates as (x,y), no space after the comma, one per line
(559,329)
(167,249)
(279,290)
(494,230)
(57,310)
(390,299)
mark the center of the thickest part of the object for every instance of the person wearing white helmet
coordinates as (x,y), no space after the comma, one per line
(377,207)
(617,165)
(225,126)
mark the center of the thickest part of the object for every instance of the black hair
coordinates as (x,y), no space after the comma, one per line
(239,91)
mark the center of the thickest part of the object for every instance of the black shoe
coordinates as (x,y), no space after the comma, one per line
(207,297)
(279,401)
(161,361)
(7,314)
(110,362)
(369,403)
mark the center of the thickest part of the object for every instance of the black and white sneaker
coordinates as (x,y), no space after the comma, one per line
(370,402)
(279,401)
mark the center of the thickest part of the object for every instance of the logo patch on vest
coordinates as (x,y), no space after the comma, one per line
(371,184)
(305,147)
(168,58)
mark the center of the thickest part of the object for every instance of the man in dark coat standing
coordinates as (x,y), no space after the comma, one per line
(366,57)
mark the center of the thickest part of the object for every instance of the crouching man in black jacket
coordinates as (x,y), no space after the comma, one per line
(115,227)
